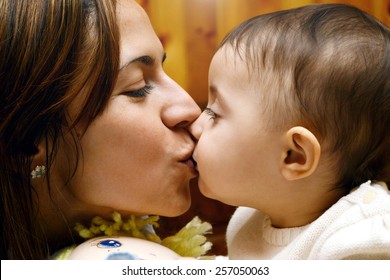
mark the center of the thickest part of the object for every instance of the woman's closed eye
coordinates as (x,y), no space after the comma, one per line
(211,113)
(139,93)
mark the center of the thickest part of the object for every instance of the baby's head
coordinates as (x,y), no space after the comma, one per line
(326,68)
(317,80)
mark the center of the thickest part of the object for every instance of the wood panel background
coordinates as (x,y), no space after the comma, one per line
(190,31)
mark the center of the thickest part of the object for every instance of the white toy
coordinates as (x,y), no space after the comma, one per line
(122,248)
(133,238)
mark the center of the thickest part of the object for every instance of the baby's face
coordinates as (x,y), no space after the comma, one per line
(236,156)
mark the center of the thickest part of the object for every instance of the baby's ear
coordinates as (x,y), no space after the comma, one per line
(301,155)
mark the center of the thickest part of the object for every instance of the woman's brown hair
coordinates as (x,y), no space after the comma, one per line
(50,51)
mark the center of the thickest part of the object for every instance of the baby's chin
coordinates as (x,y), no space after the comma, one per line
(218,195)
(210,192)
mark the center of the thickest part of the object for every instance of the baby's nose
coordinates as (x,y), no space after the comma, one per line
(196,128)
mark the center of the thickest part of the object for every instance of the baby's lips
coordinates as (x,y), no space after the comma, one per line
(195,163)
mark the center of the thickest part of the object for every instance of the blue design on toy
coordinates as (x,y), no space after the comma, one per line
(122,256)
(109,243)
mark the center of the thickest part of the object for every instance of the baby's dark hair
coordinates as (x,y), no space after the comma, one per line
(330,64)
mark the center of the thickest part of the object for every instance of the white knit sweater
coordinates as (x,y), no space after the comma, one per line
(356,227)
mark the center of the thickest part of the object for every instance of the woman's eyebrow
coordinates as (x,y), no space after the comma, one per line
(145,59)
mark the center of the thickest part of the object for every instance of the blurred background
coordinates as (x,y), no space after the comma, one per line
(190,31)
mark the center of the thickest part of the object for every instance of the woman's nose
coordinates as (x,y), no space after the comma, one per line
(180,110)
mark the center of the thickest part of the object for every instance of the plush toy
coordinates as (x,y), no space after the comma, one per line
(135,238)
(121,248)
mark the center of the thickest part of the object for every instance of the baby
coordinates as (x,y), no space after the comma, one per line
(296,132)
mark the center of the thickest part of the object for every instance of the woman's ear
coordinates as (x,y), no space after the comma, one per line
(38,160)
(301,155)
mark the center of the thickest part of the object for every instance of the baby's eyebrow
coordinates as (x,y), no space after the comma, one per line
(215,95)
(213,91)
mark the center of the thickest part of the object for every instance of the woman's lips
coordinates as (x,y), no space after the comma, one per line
(191,164)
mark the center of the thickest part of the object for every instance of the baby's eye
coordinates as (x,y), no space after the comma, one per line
(140,93)
(211,113)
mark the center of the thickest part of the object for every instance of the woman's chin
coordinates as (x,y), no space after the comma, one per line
(180,210)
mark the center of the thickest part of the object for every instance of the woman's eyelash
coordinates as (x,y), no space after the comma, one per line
(142,92)
(210,112)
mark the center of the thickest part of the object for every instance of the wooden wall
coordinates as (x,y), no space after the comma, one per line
(191,29)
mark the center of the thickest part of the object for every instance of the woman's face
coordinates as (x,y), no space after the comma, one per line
(136,156)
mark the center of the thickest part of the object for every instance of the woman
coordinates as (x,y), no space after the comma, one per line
(89,121)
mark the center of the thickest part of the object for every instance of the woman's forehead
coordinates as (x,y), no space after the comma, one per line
(137,36)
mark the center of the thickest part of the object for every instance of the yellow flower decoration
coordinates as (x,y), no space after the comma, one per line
(188,242)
